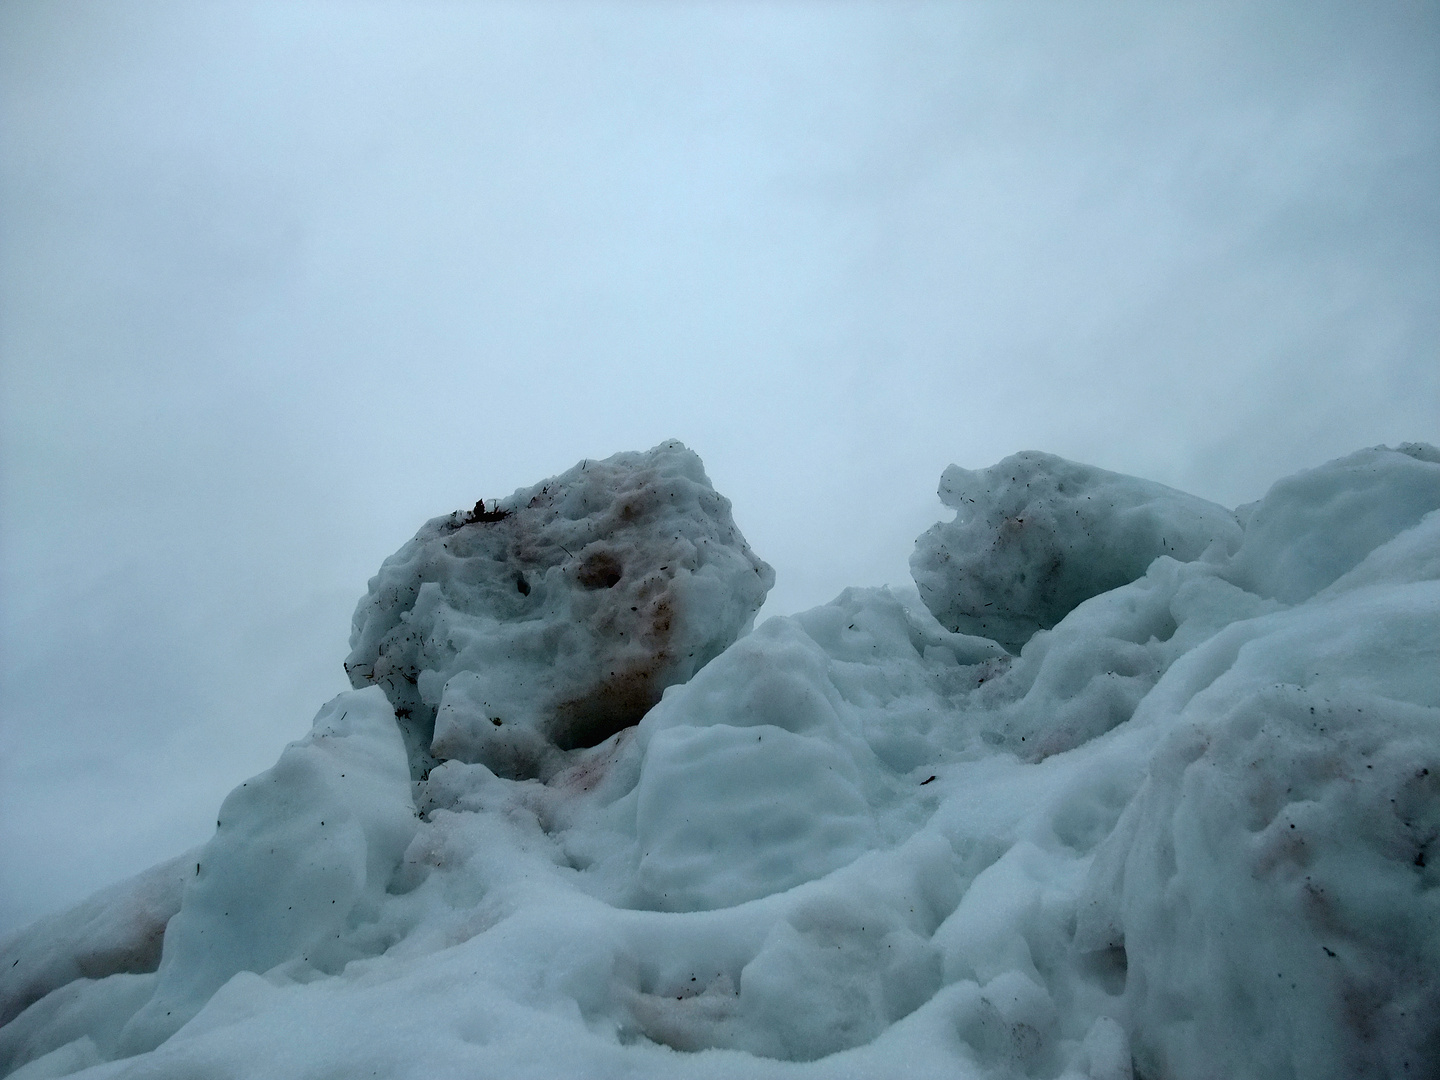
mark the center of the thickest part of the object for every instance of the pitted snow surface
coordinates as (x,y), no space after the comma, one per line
(555,618)
(1190,831)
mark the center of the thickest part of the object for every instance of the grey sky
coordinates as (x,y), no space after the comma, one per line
(279,282)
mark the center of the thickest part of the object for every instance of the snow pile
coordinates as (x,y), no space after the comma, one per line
(556,617)
(1189,831)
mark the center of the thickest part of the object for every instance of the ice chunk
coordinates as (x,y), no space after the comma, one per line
(556,617)
(301,858)
(1035,535)
(1412,556)
(63,1061)
(833,975)
(1316,525)
(1106,1051)
(1011,1026)
(1091,671)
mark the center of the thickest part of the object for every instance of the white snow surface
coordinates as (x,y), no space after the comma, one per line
(1192,830)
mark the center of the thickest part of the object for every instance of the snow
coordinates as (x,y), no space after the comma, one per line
(1035,535)
(1298,792)
(1315,526)
(119,929)
(555,617)
(301,854)
(1172,810)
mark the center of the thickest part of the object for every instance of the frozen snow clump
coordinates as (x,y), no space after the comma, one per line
(1191,831)
(556,617)
(1035,535)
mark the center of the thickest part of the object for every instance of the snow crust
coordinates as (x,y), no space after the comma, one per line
(1189,831)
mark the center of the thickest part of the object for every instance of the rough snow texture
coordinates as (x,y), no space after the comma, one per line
(1190,832)
(1035,535)
(550,620)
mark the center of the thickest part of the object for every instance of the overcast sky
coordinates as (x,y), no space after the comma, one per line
(279,282)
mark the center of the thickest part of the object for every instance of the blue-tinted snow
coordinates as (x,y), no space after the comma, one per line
(1190,830)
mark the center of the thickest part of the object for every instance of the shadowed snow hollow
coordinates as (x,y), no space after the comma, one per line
(1190,831)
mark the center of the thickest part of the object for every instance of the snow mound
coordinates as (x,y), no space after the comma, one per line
(556,617)
(1190,831)
(1315,526)
(1035,535)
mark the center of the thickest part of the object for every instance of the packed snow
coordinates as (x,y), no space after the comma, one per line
(1132,786)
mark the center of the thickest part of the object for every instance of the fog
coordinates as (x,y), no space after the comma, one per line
(279,282)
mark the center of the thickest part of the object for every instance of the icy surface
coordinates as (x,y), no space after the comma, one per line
(554,618)
(1190,831)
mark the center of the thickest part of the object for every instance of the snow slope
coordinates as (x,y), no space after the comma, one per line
(1168,807)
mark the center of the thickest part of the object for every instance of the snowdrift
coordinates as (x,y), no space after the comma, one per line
(1133,786)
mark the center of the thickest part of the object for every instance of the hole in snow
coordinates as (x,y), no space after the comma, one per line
(599,571)
(1108,967)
